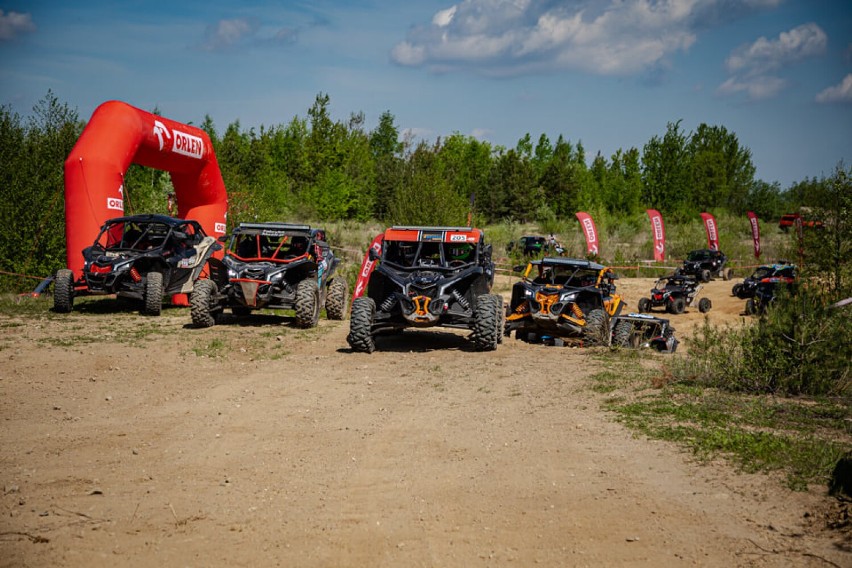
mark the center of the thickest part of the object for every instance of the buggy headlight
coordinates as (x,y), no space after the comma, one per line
(275,278)
(567,297)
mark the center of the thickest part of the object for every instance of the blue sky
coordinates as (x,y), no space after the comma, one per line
(608,73)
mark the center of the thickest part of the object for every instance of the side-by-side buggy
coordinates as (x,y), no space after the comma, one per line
(272,266)
(426,277)
(140,257)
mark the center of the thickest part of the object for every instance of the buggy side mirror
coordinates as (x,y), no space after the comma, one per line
(372,254)
(180,236)
(519,268)
(223,239)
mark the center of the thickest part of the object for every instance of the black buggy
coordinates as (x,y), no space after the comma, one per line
(140,257)
(706,264)
(272,266)
(767,290)
(747,288)
(426,277)
(675,293)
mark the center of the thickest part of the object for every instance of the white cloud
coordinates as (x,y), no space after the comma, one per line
(13,24)
(841,93)
(508,37)
(807,40)
(757,88)
(750,64)
(228,33)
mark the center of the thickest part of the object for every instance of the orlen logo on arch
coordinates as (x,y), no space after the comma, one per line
(187,144)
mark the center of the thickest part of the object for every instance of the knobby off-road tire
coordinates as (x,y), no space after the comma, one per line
(501,318)
(338,296)
(153,293)
(201,303)
(735,291)
(307,303)
(623,334)
(63,291)
(360,336)
(486,322)
(727,274)
(704,305)
(596,331)
(644,305)
(704,275)
(678,305)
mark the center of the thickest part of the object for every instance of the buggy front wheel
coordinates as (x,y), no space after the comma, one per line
(644,305)
(704,305)
(153,293)
(63,291)
(338,295)
(596,331)
(307,303)
(486,322)
(360,336)
(201,303)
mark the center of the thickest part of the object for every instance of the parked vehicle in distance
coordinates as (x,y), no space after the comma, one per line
(529,245)
(706,264)
(278,266)
(644,330)
(675,293)
(788,221)
(766,292)
(141,257)
(420,277)
(746,289)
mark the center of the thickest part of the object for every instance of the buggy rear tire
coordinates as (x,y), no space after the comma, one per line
(201,303)
(704,305)
(678,305)
(727,274)
(486,322)
(307,303)
(63,291)
(153,295)
(360,337)
(644,305)
(338,296)
(596,330)
(750,308)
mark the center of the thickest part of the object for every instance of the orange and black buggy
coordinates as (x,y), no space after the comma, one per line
(559,298)
(426,277)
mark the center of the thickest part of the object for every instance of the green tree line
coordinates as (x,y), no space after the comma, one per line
(321,169)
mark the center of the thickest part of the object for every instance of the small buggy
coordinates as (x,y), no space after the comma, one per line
(675,292)
(706,264)
(747,288)
(766,292)
(644,330)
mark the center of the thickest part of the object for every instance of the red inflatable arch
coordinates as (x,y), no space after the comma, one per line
(118,135)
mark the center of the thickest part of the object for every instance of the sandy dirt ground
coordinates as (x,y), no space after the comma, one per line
(136,441)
